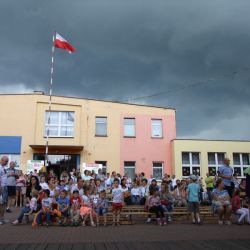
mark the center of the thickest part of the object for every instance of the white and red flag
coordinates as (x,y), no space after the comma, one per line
(62,43)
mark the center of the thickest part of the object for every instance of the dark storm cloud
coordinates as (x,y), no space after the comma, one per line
(128,49)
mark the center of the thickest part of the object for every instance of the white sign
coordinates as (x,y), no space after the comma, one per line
(91,167)
(34,164)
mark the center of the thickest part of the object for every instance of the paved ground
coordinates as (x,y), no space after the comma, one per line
(174,236)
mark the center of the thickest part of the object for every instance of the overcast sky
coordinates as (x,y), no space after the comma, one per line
(196,52)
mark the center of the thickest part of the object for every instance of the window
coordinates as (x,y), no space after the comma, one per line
(129,169)
(241,162)
(214,161)
(61,124)
(129,127)
(156,128)
(101,126)
(104,166)
(157,170)
(190,163)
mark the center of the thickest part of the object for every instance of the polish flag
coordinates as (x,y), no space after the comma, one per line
(61,43)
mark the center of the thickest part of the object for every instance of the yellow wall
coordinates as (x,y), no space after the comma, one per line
(24,115)
(205,146)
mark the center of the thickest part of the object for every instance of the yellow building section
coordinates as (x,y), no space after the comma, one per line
(203,156)
(24,115)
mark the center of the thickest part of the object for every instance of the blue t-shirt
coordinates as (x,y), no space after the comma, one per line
(62,202)
(193,190)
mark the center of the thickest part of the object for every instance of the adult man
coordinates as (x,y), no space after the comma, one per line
(11,184)
(3,187)
(78,186)
(226,174)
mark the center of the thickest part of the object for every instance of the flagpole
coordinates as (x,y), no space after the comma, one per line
(50,100)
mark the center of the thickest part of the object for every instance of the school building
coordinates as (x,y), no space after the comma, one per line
(122,137)
(126,138)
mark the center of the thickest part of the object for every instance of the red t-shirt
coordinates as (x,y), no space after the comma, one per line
(235,203)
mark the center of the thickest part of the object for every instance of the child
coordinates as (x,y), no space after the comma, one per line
(135,194)
(46,209)
(193,191)
(30,208)
(153,204)
(102,207)
(75,202)
(117,202)
(236,207)
(63,206)
(86,209)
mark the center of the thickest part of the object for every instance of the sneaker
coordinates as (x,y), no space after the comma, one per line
(118,224)
(228,222)
(83,224)
(93,224)
(148,220)
(1,223)
(220,222)
(15,222)
(8,210)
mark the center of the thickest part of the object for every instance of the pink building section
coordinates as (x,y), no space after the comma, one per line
(143,149)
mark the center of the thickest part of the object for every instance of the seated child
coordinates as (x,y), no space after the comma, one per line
(63,206)
(102,207)
(46,209)
(86,210)
(30,208)
(75,203)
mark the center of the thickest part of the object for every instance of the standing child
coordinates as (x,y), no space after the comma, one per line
(86,210)
(102,207)
(75,203)
(117,202)
(193,191)
(46,209)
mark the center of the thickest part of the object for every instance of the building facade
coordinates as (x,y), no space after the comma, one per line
(205,156)
(125,138)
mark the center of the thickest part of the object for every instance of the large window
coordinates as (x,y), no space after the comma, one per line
(129,169)
(101,126)
(241,162)
(157,170)
(61,124)
(156,128)
(129,127)
(214,161)
(190,163)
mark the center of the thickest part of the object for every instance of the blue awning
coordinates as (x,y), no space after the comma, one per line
(10,144)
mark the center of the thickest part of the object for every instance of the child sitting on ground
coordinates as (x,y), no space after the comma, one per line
(46,209)
(102,207)
(63,206)
(75,202)
(86,210)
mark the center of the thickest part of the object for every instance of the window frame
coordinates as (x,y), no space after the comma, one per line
(157,167)
(106,126)
(124,127)
(129,167)
(217,164)
(160,136)
(59,125)
(241,166)
(190,165)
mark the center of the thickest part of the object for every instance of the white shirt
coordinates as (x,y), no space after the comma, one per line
(75,187)
(3,177)
(44,185)
(117,194)
(135,191)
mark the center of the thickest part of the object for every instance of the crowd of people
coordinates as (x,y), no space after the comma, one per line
(75,199)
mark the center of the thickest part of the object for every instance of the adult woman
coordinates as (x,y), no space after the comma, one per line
(180,195)
(20,184)
(52,187)
(221,203)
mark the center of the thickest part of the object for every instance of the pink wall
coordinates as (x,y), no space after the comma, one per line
(145,150)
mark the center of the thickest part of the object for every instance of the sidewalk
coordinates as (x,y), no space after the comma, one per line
(173,236)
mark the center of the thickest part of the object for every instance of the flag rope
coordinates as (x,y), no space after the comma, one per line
(50,100)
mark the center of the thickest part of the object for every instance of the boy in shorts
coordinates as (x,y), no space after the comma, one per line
(193,191)
(117,202)
(102,207)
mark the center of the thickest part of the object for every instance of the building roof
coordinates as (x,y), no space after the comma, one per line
(92,99)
